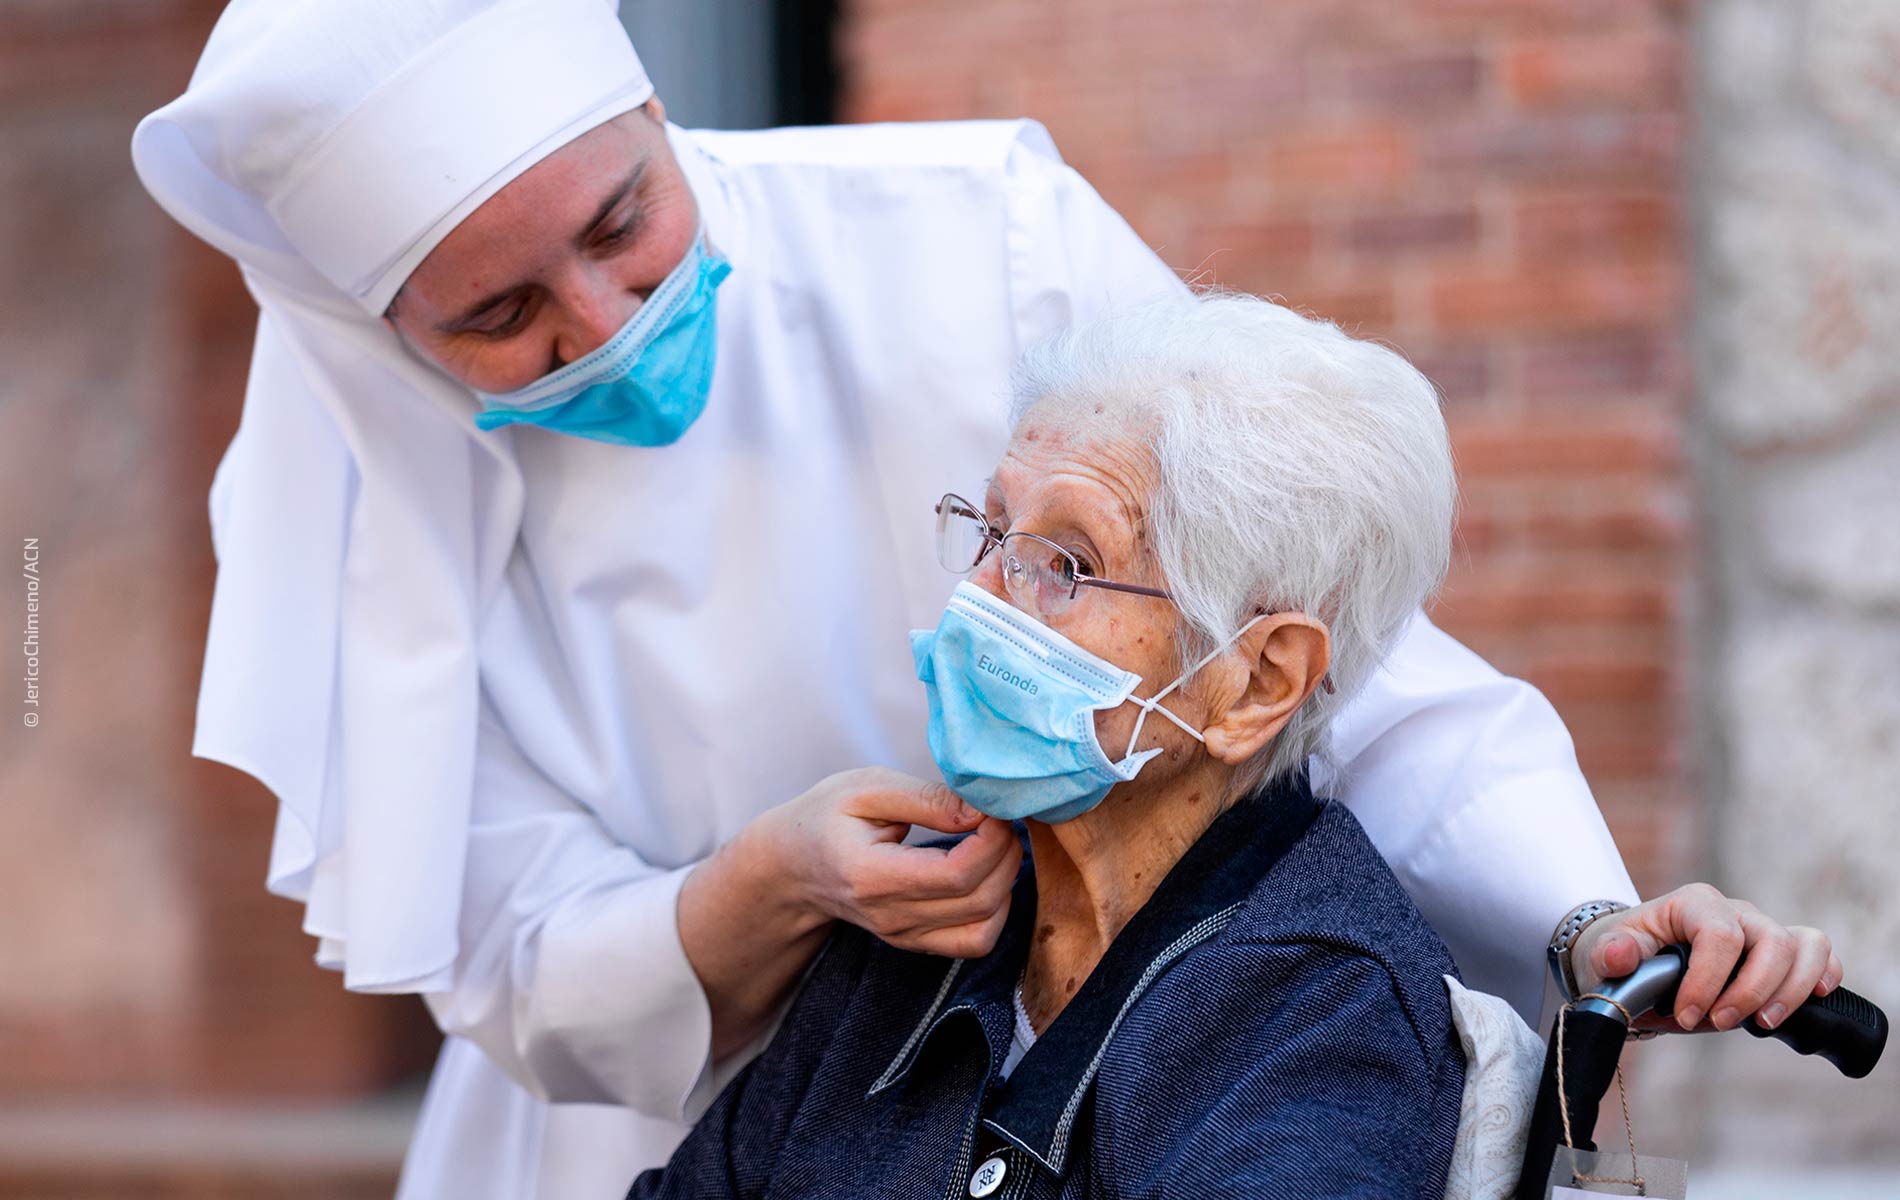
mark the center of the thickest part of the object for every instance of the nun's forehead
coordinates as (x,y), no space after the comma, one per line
(538,217)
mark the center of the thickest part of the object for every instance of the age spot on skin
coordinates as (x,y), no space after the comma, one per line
(1045,933)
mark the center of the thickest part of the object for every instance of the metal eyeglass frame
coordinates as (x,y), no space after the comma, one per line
(1078,579)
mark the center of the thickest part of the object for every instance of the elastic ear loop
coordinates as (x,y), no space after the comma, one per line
(1153,703)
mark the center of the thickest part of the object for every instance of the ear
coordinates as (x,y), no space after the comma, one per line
(655,108)
(1291,653)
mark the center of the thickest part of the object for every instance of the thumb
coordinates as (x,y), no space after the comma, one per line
(945,811)
(1615,955)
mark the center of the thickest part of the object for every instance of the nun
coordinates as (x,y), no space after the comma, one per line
(570,540)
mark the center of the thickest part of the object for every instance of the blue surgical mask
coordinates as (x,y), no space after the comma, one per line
(645,385)
(1012,710)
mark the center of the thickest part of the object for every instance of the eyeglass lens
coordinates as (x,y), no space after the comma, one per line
(1040,577)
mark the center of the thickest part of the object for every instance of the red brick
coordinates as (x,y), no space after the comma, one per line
(1581,297)
(1462,374)
(1551,14)
(1181,105)
(1267,243)
(1503,601)
(1572,225)
(1591,509)
(1506,446)
(1630,147)
(1372,158)
(1638,681)
(1366,310)
(1411,82)
(1589,367)
(1412,231)
(1620,70)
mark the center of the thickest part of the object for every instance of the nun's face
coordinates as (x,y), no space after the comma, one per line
(557,261)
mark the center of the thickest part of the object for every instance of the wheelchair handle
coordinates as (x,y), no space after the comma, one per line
(1842,1027)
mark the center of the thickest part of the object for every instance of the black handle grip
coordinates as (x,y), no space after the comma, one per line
(1844,1027)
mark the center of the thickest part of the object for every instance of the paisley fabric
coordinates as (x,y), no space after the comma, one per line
(1503,1061)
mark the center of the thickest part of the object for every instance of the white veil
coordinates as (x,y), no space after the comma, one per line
(359,519)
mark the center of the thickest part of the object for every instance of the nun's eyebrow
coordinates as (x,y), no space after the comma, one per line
(476,311)
(612,201)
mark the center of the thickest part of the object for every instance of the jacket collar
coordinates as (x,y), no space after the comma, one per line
(1037,1106)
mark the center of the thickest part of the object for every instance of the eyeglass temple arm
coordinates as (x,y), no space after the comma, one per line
(1111,585)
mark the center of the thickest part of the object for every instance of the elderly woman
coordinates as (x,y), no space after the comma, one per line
(1211,523)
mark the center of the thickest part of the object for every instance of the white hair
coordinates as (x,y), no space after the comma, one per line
(1298,469)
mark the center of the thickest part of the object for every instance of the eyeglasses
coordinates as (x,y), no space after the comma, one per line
(1041,576)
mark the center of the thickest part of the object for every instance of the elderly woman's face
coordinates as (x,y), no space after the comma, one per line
(1086,489)
(557,261)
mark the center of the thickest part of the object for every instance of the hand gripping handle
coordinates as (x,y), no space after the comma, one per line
(1843,1027)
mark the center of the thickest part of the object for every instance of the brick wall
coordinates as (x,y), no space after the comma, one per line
(139,953)
(1493,186)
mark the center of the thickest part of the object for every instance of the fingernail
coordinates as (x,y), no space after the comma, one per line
(1727,1018)
(1771,1016)
(1689,1017)
(970,814)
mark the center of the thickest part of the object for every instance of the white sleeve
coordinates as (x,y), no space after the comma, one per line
(1467,782)
(571,975)
(1072,257)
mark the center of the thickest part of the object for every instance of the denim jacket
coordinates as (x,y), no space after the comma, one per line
(1273,1022)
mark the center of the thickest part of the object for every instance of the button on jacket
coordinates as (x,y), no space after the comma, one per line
(1273,1022)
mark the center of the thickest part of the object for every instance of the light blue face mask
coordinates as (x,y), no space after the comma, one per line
(645,385)
(1012,710)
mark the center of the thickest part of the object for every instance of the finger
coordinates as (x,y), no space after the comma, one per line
(1831,978)
(964,941)
(902,800)
(1715,943)
(991,849)
(1770,952)
(1811,956)
(898,872)
(988,897)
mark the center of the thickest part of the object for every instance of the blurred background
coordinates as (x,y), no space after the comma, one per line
(1648,250)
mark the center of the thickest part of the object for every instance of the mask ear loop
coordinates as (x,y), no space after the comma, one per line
(1153,703)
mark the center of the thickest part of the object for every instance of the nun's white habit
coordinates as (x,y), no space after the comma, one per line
(509,687)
